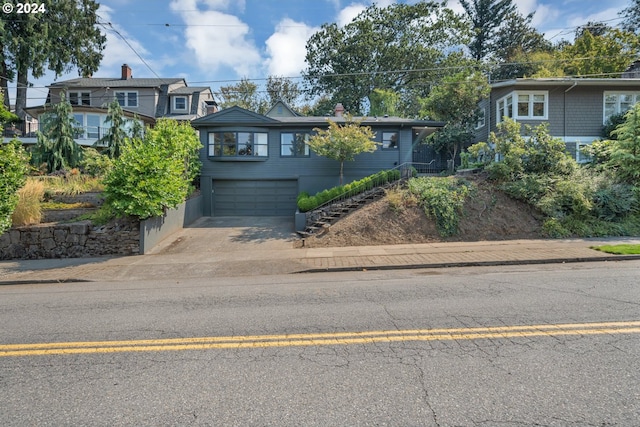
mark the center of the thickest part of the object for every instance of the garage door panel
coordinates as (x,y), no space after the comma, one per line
(254,198)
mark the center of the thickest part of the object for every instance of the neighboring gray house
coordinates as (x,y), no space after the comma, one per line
(255,164)
(146,98)
(575,108)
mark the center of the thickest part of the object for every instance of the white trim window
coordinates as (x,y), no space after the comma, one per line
(523,105)
(618,103)
(79,98)
(179,103)
(127,99)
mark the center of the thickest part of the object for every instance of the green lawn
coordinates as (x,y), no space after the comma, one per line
(619,249)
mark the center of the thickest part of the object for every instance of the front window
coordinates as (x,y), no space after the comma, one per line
(236,144)
(530,105)
(390,140)
(180,103)
(80,98)
(618,103)
(127,99)
(294,144)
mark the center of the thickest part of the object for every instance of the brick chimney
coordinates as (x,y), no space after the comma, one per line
(339,110)
(126,72)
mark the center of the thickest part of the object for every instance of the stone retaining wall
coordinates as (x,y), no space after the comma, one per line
(71,240)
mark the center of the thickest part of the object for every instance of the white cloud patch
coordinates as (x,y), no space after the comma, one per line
(286,48)
(347,14)
(217,39)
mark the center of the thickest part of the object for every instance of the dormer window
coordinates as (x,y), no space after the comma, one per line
(179,103)
(80,98)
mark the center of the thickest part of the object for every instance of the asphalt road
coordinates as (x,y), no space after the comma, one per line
(552,345)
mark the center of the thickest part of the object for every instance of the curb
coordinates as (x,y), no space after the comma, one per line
(474,264)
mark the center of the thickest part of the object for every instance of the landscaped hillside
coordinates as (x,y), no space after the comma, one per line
(488,214)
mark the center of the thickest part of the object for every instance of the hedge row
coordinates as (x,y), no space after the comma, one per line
(308,203)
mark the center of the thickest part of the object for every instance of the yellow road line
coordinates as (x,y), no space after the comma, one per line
(318,339)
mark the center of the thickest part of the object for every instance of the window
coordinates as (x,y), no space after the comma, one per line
(390,140)
(294,144)
(93,126)
(80,98)
(127,99)
(238,144)
(531,105)
(618,103)
(179,103)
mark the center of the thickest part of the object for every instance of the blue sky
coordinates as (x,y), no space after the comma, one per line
(216,42)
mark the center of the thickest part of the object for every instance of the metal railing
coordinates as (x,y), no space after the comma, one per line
(30,129)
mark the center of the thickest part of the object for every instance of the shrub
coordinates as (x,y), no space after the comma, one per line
(95,164)
(307,203)
(13,171)
(29,210)
(155,174)
(441,199)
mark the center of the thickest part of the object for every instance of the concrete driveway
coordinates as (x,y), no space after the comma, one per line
(226,235)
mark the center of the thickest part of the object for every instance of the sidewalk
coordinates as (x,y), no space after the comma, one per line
(167,265)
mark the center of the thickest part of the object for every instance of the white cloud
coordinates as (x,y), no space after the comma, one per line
(218,39)
(286,48)
(347,14)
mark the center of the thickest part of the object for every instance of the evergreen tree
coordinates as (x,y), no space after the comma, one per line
(116,134)
(485,16)
(56,143)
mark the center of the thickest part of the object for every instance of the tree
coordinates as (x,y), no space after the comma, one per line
(384,103)
(631,16)
(13,173)
(520,49)
(604,55)
(61,38)
(485,16)
(116,134)
(343,142)
(56,144)
(284,89)
(243,94)
(455,101)
(625,152)
(156,173)
(400,48)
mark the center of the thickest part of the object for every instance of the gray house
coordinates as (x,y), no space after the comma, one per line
(575,108)
(255,164)
(145,98)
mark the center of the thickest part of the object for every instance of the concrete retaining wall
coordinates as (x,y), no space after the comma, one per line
(156,229)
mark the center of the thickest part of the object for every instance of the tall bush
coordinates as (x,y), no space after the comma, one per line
(13,173)
(155,173)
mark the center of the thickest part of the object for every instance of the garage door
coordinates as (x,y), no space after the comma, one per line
(254,198)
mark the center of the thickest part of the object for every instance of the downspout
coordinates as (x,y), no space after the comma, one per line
(564,112)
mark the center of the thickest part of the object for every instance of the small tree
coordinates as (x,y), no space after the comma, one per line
(56,144)
(13,173)
(343,142)
(116,134)
(455,101)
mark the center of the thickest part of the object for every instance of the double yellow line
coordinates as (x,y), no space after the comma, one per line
(321,339)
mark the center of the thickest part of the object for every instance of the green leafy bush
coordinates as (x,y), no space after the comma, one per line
(156,173)
(13,174)
(441,199)
(307,203)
